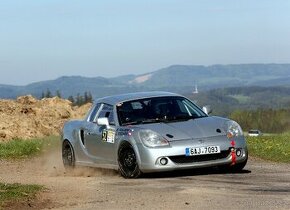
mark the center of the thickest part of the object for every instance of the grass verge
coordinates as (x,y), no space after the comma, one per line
(17,192)
(275,147)
(17,148)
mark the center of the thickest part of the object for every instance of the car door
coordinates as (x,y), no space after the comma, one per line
(100,140)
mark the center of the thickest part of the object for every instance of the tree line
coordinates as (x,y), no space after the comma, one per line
(78,100)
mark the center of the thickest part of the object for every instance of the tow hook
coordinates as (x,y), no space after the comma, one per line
(234,157)
(233,153)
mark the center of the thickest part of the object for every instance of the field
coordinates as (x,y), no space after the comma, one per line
(271,147)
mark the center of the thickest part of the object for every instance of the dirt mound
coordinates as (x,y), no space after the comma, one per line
(27,117)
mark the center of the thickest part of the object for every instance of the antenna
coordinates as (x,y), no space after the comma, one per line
(195,90)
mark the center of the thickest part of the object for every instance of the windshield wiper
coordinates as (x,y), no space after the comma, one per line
(132,123)
(145,121)
(188,117)
(166,119)
(182,118)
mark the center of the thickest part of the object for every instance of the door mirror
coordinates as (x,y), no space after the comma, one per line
(103,121)
(207,109)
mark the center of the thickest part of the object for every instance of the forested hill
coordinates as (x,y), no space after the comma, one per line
(176,78)
(226,100)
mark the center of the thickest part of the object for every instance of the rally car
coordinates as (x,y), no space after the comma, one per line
(152,132)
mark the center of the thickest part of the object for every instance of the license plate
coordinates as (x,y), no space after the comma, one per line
(202,150)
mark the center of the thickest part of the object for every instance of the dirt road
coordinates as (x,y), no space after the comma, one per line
(262,185)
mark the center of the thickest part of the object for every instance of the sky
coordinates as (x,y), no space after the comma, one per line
(45,39)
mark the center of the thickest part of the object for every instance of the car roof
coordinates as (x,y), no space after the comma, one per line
(115,99)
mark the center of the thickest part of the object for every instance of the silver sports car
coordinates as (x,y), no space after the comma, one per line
(152,132)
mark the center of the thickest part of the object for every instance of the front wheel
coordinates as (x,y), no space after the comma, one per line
(127,161)
(68,156)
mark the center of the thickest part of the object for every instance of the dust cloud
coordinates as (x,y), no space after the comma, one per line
(50,162)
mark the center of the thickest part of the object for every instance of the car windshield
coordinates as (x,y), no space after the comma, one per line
(159,109)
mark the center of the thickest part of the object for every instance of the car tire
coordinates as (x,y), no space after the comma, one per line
(128,165)
(68,156)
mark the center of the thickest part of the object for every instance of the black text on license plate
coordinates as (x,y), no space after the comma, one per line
(202,150)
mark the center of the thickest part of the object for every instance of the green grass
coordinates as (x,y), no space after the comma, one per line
(17,148)
(272,147)
(17,192)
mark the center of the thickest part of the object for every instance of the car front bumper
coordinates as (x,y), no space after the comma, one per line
(149,159)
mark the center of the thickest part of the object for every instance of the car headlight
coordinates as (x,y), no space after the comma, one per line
(152,139)
(233,129)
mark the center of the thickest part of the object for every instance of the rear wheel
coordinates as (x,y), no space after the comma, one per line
(68,156)
(127,160)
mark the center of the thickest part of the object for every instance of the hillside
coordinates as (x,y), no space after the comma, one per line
(176,78)
(218,75)
(226,100)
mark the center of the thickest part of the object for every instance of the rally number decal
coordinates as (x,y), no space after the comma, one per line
(108,136)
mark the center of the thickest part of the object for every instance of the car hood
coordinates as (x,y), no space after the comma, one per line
(190,129)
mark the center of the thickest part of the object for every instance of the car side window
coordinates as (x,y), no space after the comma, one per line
(107,111)
(190,108)
(94,112)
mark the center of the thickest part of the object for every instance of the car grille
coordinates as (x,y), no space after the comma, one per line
(182,159)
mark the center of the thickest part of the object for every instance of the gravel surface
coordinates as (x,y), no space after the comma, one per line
(262,185)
